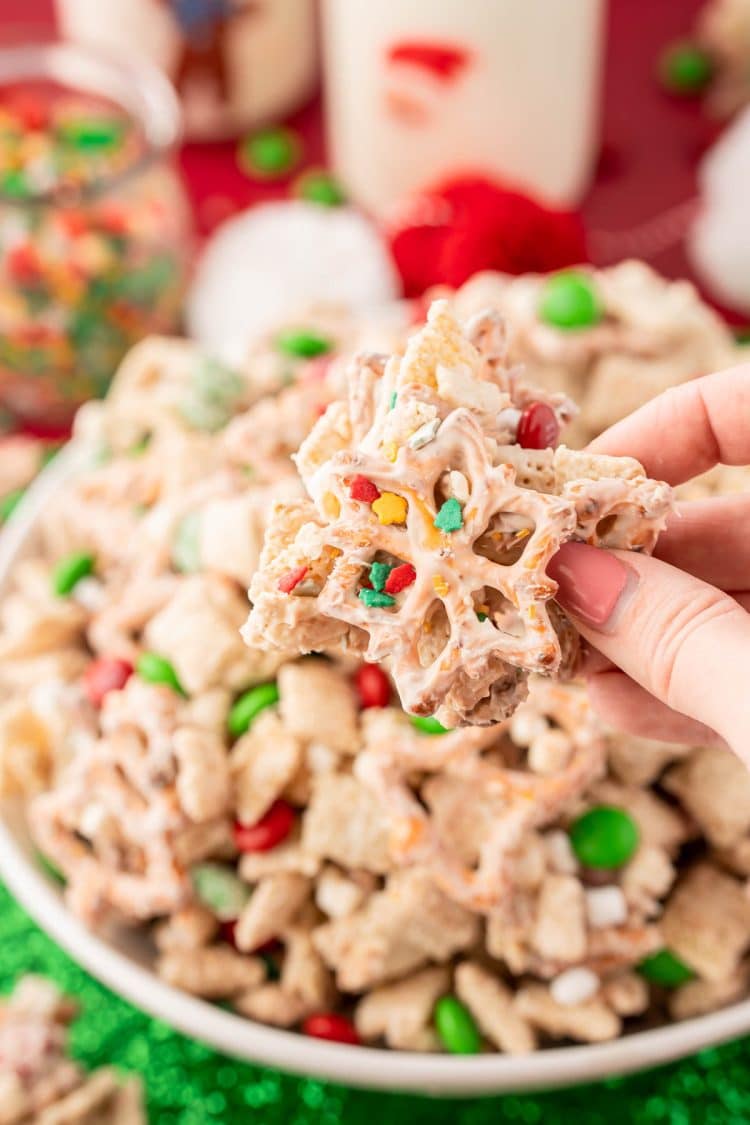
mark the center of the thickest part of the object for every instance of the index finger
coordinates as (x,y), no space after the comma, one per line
(688,429)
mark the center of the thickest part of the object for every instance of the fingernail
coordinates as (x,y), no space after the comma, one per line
(593,584)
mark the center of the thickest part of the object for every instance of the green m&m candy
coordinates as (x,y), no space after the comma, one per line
(302,344)
(270,153)
(69,572)
(427,724)
(569,301)
(249,706)
(456,1028)
(604,837)
(685,68)
(666,969)
(319,186)
(218,888)
(155,669)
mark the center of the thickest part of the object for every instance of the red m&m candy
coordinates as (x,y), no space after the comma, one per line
(372,686)
(330,1026)
(103,675)
(267,832)
(538,427)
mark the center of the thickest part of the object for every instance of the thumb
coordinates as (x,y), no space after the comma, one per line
(684,641)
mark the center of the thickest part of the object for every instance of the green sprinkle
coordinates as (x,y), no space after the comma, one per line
(303,344)
(481,616)
(450,517)
(220,889)
(666,969)
(378,574)
(154,669)
(455,1025)
(249,706)
(570,301)
(50,869)
(48,454)
(92,133)
(270,153)
(320,187)
(427,724)
(186,546)
(15,185)
(685,68)
(393,400)
(69,572)
(10,502)
(374,599)
(138,448)
(604,837)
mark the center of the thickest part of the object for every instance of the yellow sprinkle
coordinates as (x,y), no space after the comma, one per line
(523,533)
(390,508)
(390,451)
(440,586)
(331,505)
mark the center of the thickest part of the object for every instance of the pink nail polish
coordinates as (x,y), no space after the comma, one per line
(591,582)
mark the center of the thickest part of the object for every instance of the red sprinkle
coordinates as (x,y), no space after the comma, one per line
(22,264)
(103,675)
(292,578)
(443,61)
(363,489)
(267,832)
(538,427)
(372,686)
(399,578)
(228,932)
(330,1026)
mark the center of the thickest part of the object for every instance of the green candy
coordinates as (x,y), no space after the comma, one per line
(186,547)
(665,969)
(450,517)
(604,837)
(685,68)
(50,869)
(321,188)
(220,889)
(154,669)
(456,1028)
(138,448)
(249,706)
(392,400)
(373,599)
(10,502)
(303,344)
(15,185)
(427,724)
(214,393)
(378,574)
(570,301)
(270,152)
(69,572)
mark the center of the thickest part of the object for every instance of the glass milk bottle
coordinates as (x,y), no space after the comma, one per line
(422,90)
(235,63)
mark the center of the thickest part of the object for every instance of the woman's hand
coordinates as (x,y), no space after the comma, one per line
(672,632)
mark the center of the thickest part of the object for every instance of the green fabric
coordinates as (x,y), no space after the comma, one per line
(190,1085)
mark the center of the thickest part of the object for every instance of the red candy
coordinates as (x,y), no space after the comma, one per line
(363,489)
(372,686)
(538,427)
(399,578)
(330,1026)
(103,675)
(292,578)
(22,264)
(267,832)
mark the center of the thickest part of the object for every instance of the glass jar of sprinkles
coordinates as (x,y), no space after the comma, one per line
(95,230)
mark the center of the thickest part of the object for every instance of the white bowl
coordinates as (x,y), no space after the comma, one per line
(121,960)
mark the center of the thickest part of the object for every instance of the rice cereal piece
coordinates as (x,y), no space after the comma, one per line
(101,1100)
(317,703)
(271,1004)
(401,1013)
(714,786)
(626,993)
(304,974)
(288,856)
(263,761)
(559,932)
(213,973)
(646,880)
(203,782)
(509,930)
(198,631)
(33,620)
(490,1002)
(706,922)
(639,761)
(700,997)
(399,929)
(445,658)
(193,927)
(659,824)
(26,750)
(344,822)
(273,906)
(592,1021)
(338,894)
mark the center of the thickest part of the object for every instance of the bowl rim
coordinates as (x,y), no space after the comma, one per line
(253,1042)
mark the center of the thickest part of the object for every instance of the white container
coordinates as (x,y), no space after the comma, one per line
(122,958)
(418,90)
(236,63)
